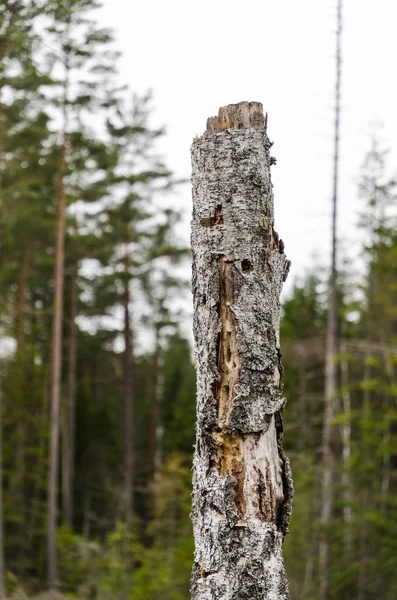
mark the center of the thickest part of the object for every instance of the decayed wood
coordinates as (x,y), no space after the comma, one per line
(242,485)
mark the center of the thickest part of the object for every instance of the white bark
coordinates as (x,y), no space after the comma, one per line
(242,485)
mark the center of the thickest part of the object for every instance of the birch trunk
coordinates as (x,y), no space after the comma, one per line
(242,485)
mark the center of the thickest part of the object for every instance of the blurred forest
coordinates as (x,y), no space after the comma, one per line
(75,144)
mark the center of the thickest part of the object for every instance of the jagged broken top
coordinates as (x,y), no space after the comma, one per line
(243,115)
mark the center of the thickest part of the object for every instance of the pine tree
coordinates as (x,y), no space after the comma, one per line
(78,45)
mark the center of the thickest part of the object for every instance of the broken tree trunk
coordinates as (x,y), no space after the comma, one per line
(242,485)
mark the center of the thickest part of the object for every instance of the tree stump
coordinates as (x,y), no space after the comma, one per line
(242,484)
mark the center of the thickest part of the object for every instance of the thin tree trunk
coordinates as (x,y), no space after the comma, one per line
(41,464)
(21,308)
(346,454)
(56,362)
(86,515)
(1,122)
(155,426)
(367,425)
(69,441)
(386,459)
(152,420)
(2,559)
(331,349)
(18,472)
(158,455)
(128,407)
(242,485)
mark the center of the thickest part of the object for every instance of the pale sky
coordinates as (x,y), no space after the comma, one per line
(198,55)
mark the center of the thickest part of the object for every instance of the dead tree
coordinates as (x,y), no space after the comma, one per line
(331,375)
(242,485)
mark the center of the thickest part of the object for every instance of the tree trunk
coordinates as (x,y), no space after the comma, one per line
(17,486)
(70,412)
(346,454)
(56,362)
(152,421)
(155,434)
(128,402)
(2,560)
(330,390)
(242,485)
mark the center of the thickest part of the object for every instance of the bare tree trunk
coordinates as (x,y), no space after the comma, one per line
(128,402)
(366,498)
(2,560)
(41,464)
(386,460)
(331,348)
(152,419)
(242,485)
(155,425)
(70,412)
(346,454)
(158,455)
(18,473)
(56,374)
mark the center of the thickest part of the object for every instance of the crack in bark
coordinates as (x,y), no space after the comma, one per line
(228,357)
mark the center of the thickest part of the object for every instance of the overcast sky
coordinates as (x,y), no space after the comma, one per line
(198,55)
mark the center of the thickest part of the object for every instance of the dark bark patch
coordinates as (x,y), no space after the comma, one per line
(285,507)
(212,221)
(246,265)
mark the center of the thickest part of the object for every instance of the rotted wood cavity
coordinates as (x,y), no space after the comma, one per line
(229,460)
(228,358)
(268,502)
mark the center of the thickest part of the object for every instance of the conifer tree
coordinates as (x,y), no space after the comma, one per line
(77,44)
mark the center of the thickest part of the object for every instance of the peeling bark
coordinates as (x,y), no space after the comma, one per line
(242,484)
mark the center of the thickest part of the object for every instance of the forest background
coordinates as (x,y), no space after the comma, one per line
(71,131)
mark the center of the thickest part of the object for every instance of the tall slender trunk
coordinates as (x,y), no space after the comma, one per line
(158,454)
(346,455)
(331,348)
(155,434)
(69,438)
(128,406)
(56,362)
(21,304)
(41,464)
(242,485)
(366,432)
(152,420)
(19,463)
(1,125)
(17,485)
(2,559)
(386,459)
